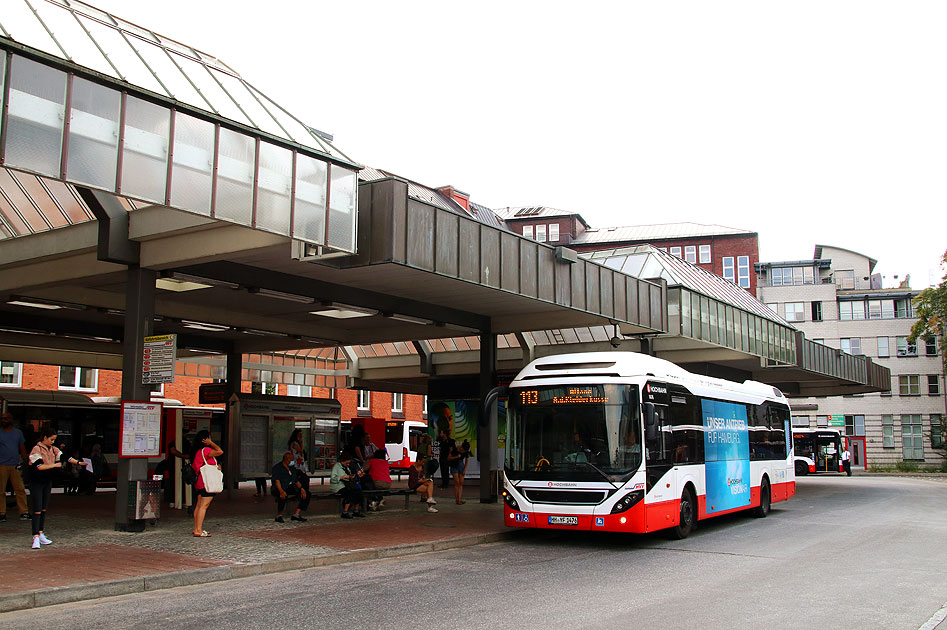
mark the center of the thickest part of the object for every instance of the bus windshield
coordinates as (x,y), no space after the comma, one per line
(574,432)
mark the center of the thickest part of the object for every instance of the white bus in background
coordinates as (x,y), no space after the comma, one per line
(817,450)
(620,441)
(401,442)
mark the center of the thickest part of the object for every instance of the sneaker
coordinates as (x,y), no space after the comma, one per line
(346,515)
(279,519)
(44,540)
(25,517)
(431,501)
(298,517)
(432,509)
(35,542)
(381,504)
(358,514)
(3,517)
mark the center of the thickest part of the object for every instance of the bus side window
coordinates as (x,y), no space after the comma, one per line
(687,431)
(658,436)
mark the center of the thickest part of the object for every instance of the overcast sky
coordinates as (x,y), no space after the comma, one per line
(810,122)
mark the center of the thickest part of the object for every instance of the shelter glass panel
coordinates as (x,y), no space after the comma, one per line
(173,79)
(35,114)
(123,56)
(201,76)
(236,159)
(192,164)
(145,150)
(93,134)
(274,188)
(342,203)
(309,219)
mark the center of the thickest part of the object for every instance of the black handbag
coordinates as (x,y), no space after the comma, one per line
(188,474)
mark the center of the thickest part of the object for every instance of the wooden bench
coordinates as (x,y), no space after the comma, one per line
(368,495)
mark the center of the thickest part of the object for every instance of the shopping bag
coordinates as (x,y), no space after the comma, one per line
(212,476)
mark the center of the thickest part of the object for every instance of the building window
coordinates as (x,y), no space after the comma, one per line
(676,251)
(743,271)
(883,347)
(705,254)
(912,439)
(302,391)
(78,378)
(553,232)
(397,402)
(821,421)
(795,311)
(906,348)
(364,400)
(11,374)
(261,387)
(887,309)
(800,421)
(773,306)
(852,345)
(816,308)
(874,309)
(903,308)
(909,384)
(845,279)
(528,231)
(541,233)
(937,431)
(728,269)
(855,425)
(887,431)
(930,346)
(690,254)
(849,311)
(933,385)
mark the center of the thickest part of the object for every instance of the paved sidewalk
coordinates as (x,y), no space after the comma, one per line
(88,559)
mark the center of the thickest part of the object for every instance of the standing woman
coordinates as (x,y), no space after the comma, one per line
(45,461)
(205,451)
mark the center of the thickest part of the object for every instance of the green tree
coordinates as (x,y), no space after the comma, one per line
(930,307)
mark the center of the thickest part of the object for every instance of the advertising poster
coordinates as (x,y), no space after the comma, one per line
(459,419)
(727,455)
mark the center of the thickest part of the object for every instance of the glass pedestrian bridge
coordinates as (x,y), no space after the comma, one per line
(92,100)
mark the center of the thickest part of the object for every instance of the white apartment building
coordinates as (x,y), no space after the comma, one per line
(836,299)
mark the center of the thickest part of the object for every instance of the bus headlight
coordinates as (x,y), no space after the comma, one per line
(628,501)
(510,501)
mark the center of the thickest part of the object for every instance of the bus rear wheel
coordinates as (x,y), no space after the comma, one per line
(688,516)
(765,499)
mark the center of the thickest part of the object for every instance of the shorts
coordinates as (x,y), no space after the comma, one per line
(204,493)
(382,485)
(459,466)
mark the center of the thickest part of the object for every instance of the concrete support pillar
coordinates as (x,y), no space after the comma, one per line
(139,323)
(230,437)
(487,438)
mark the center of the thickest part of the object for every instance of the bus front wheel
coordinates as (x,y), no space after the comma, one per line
(765,498)
(688,516)
(801,469)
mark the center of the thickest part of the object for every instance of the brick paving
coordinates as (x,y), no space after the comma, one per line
(87,551)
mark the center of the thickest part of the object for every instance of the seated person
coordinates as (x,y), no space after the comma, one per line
(286,486)
(380,474)
(344,483)
(417,480)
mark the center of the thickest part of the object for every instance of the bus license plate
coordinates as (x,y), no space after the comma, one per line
(563,520)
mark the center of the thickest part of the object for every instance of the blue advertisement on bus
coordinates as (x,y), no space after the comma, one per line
(727,455)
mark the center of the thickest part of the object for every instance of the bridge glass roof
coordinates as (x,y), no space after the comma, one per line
(94,100)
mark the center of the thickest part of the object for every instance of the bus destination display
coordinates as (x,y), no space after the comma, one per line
(564,396)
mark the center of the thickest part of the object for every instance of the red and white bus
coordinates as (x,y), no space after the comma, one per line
(401,442)
(817,450)
(624,442)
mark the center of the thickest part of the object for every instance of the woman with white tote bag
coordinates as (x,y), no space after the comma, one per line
(209,478)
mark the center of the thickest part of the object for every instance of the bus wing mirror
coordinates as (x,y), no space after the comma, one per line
(650,422)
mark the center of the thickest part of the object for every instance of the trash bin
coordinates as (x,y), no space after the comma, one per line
(144,501)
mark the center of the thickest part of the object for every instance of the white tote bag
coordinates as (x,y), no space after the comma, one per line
(213,478)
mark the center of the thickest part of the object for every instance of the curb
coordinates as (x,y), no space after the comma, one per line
(128,586)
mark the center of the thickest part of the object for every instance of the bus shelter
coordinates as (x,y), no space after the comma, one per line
(147,188)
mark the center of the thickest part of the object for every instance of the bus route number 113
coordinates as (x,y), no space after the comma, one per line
(529,397)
